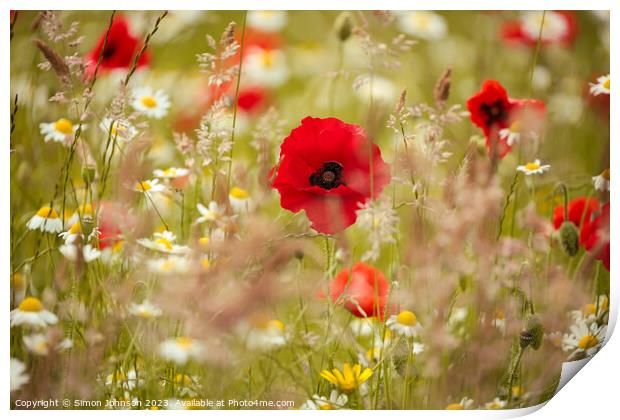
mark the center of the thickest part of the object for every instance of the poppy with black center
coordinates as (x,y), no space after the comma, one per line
(492,110)
(327,168)
(120,49)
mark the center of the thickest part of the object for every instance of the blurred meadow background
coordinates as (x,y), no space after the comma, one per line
(154,259)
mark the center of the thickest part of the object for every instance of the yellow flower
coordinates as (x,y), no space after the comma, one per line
(349,379)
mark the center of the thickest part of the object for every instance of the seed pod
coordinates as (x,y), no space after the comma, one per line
(525,339)
(569,238)
(534,327)
(343,26)
(88,174)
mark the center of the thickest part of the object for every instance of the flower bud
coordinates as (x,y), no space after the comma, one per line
(343,26)
(569,238)
(88,174)
(533,333)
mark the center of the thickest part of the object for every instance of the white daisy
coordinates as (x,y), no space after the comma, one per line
(591,312)
(512,134)
(180,349)
(31,312)
(405,323)
(383,91)
(148,186)
(59,131)
(144,310)
(118,129)
(18,374)
(163,242)
(532,168)
(89,253)
(186,385)
(554,27)
(464,404)
(240,200)
(601,86)
(170,265)
(362,327)
(83,212)
(264,334)
(126,381)
(601,181)
(584,337)
(171,173)
(335,401)
(18,287)
(266,67)
(46,219)
(418,348)
(211,213)
(422,24)
(267,20)
(499,320)
(37,344)
(496,404)
(153,104)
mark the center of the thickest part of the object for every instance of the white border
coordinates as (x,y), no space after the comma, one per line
(592,395)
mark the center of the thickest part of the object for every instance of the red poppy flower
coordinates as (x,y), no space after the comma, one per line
(363,290)
(252,99)
(327,168)
(596,236)
(113,220)
(120,50)
(580,212)
(560,28)
(492,110)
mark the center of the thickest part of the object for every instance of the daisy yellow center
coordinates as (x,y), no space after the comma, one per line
(47,213)
(532,166)
(165,242)
(184,342)
(143,186)
(41,346)
(606,84)
(605,174)
(86,209)
(168,265)
(64,126)
(455,406)
(118,246)
(203,241)
(17,280)
(515,127)
(517,391)
(589,309)
(268,58)
(326,407)
(587,342)
(171,172)
(182,379)
(275,324)
(407,318)
(31,304)
(148,101)
(205,263)
(75,228)
(422,19)
(499,314)
(239,193)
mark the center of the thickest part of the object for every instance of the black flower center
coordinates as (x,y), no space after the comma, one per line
(327,177)
(495,112)
(109,51)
